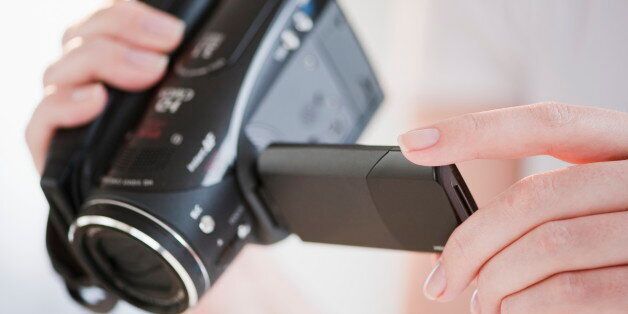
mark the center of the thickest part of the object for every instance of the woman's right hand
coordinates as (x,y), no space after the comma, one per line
(124,45)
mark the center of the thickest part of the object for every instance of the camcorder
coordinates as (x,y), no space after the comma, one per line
(248,138)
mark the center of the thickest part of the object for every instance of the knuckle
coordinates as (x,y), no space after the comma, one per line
(114,16)
(517,204)
(43,106)
(483,295)
(475,122)
(613,171)
(123,11)
(101,91)
(28,132)
(68,34)
(474,125)
(483,281)
(50,73)
(122,15)
(457,249)
(553,114)
(91,44)
(98,14)
(508,305)
(72,44)
(554,236)
(534,189)
(31,126)
(488,289)
(116,9)
(84,45)
(99,47)
(570,286)
(621,172)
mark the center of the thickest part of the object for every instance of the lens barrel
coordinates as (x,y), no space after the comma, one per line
(138,257)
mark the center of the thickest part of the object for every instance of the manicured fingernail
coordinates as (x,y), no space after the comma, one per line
(435,283)
(147,60)
(475,306)
(418,139)
(84,93)
(164,26)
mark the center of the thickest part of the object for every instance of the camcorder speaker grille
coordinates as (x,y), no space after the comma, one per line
(147,159)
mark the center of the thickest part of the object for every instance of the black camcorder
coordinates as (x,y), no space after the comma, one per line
(247,139)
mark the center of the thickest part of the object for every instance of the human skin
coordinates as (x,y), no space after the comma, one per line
(130,42)
(553,242)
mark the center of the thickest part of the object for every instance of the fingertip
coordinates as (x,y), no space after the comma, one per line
(99,97)
(436,283)
(434,258)
(146,60)
(421,158)
(419,139)
(100,92)
(84,93)
(139,81)
(145,69)
(167,29)
(71,107)
(178,34)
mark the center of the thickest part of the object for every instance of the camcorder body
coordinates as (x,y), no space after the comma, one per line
(248,138)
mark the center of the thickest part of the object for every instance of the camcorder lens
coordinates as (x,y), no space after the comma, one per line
(134,269)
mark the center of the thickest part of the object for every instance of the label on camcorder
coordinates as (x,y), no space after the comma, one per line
(192,123)
(190,133)
(224,39)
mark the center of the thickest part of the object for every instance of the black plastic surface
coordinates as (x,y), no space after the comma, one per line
(179,152)
(320,193)
(359,195)
(411,203)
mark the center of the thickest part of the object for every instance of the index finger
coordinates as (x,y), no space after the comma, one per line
(133,22)
(571,133)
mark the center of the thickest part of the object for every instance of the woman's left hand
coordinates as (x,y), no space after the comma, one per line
(555,242)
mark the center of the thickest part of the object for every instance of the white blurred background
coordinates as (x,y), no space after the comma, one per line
(435,59)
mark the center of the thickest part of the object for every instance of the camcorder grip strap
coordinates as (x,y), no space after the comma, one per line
(74,276)
(363,195)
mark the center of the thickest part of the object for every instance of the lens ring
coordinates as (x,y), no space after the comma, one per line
(166,249)
(84,224)
(162,225)
(133,267)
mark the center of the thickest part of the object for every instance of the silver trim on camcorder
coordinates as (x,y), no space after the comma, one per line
(139,235)
(150,242)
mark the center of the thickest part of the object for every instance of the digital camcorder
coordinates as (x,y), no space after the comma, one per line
(248,138)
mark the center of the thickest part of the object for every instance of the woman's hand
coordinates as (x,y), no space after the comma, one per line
(124,45)
(555,242)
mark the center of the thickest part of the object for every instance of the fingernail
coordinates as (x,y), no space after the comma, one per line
(164,26)
(475,306)
(435,283)
(83,93)
(147,59)
(418,139)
